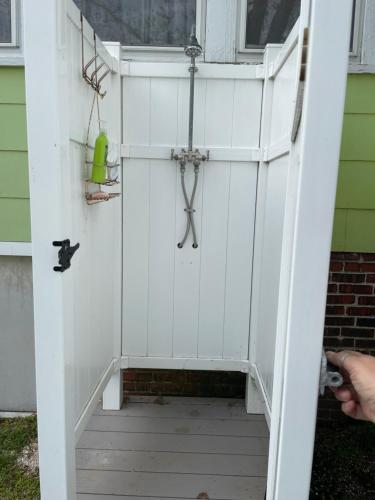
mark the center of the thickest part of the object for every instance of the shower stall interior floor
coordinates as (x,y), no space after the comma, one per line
(164,447)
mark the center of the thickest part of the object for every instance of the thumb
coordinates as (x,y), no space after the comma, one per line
(344,359)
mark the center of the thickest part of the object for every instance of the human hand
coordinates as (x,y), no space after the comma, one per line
(357,398)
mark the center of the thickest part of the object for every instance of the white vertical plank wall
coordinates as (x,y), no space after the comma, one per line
(76,321)
(276,143)
(188,303)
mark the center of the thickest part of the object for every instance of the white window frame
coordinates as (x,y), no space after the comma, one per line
(162,53)
(14,26)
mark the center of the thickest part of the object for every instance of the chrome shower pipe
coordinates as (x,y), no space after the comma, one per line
(192,50)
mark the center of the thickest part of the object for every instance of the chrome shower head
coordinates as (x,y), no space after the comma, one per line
(193,49)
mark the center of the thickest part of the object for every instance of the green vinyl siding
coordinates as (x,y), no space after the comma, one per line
(14,181)
(354,225)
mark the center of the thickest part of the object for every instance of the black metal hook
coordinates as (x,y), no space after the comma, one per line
(65,254)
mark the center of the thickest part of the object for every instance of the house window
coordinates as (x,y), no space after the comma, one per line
(8,35)
(157,23)
(269,21)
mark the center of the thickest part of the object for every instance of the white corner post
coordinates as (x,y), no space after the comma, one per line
(47,86)
(113,393)
(254,401)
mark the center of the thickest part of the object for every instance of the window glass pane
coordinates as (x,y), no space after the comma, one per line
(270,21)
(141,22)
(352,30)
(5,21)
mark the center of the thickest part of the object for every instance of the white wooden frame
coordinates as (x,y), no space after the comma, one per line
(184,364)
(15,248)
(305,254)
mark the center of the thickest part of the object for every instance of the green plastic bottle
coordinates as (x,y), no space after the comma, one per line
(99,165)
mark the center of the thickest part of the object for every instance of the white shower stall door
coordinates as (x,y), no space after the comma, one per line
(189,304)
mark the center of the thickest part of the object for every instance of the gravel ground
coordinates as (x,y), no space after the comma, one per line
(344,462)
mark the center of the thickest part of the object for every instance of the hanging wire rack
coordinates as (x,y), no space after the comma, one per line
(95,80)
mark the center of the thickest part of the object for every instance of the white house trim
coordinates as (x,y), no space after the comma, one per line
(184,364)
(93,401)
(15,248)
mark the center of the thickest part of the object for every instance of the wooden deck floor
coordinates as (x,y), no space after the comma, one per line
(173,448)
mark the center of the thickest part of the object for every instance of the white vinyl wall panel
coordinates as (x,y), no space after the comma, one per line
(270,269)
(93,288)
(187,274)
(185,303)
(161,258)
(213,249)
(136,250)
(241,216)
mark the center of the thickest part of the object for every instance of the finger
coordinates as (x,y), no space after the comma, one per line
(345,393)
(354,410)
(340,358)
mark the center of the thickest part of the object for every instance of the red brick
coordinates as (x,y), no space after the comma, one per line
(367,333)
(344,256)
(332,332)
(348,278)
(366,322)
(338,342)
(339,321)
(368,267)
(368,257)
(363,289)
(341,299)
(365,344)
(361,311)
(130,386)
(357,289)
(129,375)
(353,267)
(370,278)
(332,288)
(366,301)
(336,266)
(335,310)
(346,288)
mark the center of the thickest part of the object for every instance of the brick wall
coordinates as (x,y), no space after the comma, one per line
(350,324)
(350,313)
(184,383)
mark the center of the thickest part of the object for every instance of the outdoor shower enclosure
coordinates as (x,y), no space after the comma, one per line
(263,216)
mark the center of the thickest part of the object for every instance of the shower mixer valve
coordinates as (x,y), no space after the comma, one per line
(194,157)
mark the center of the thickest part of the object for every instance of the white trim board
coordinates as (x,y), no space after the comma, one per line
(259,385)
(140,152)
(15,248)
(180,70)
(94,400)
(11,60)
(184,364)
(16,414)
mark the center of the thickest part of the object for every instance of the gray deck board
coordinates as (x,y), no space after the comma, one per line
(179,449)
(196,426)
